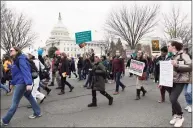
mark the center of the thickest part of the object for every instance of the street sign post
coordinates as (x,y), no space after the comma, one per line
(82,37)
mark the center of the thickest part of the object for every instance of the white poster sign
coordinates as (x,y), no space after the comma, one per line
(166,73)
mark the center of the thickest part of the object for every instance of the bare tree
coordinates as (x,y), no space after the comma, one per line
(108,38)
(16,30)
(132,24)
(176,26)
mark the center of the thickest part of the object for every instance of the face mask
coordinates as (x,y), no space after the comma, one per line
(170,54)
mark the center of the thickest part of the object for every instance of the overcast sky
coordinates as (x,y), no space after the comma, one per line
(83,15)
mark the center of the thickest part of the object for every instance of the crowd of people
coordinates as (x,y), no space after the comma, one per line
(26,74)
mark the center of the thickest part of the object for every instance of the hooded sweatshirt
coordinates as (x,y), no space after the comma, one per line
(21,74)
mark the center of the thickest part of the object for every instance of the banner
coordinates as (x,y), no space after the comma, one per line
(136,67)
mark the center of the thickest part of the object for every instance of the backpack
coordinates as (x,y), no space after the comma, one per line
(34,70)
(44,73)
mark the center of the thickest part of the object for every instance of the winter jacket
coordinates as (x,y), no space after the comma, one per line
(118,65)
(184,68)
(80,63)
(21,74)
(98,77)
(110,66)
(72,66)
(105,63)
(6,64)
(64,66)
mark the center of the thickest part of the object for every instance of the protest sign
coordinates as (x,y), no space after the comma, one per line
(166,73)
(136,67)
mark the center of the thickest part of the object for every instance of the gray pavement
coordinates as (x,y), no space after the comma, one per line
(70,110)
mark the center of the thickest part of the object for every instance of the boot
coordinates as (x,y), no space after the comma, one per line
(138,94)
(75,75)
(47,90)
(71,88)
(94,102)
(61,93)
(143,90)
(52,84)
(108,97)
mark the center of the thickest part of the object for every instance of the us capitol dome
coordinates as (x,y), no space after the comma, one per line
(60,38)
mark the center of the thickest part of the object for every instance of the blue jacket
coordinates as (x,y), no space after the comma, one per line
(21,74)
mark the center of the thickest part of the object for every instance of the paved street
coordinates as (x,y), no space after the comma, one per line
(70,110)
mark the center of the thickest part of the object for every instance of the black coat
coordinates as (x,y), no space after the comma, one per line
(98,77)
(72,66)
(64,66)
(80,63)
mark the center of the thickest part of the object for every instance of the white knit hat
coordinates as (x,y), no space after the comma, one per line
(33,53)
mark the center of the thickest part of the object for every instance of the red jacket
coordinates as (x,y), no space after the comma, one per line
(118,65)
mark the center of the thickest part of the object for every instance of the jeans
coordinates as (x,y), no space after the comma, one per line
(174,93)
(4,87)
(89,80)
(19,91)
(118,82)
(188,93)
(80,74)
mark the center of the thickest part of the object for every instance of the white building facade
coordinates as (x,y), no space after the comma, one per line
(60,38)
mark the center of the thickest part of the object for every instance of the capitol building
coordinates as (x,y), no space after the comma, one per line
(60,39)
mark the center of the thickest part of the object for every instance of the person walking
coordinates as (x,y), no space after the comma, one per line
(36,82)
(118,69)
(22,80)
(88,66)
(98,82)
(188,89)
(55,71)
(164,56)
(188,95)
(128,64)
(64,69)
(182,67)
(140,79)
(80,68)
(72,68)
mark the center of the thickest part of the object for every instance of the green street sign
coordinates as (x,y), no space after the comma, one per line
(82,37)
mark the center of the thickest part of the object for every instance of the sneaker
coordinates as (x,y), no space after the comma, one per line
(115,93)
(189,109)
(179,121)
(3,124)
(186,108)
(173,121)
(34,116)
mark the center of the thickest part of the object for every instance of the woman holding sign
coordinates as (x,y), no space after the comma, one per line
(181,76)
(140,79)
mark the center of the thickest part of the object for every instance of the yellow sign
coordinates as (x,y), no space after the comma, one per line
(155,45)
